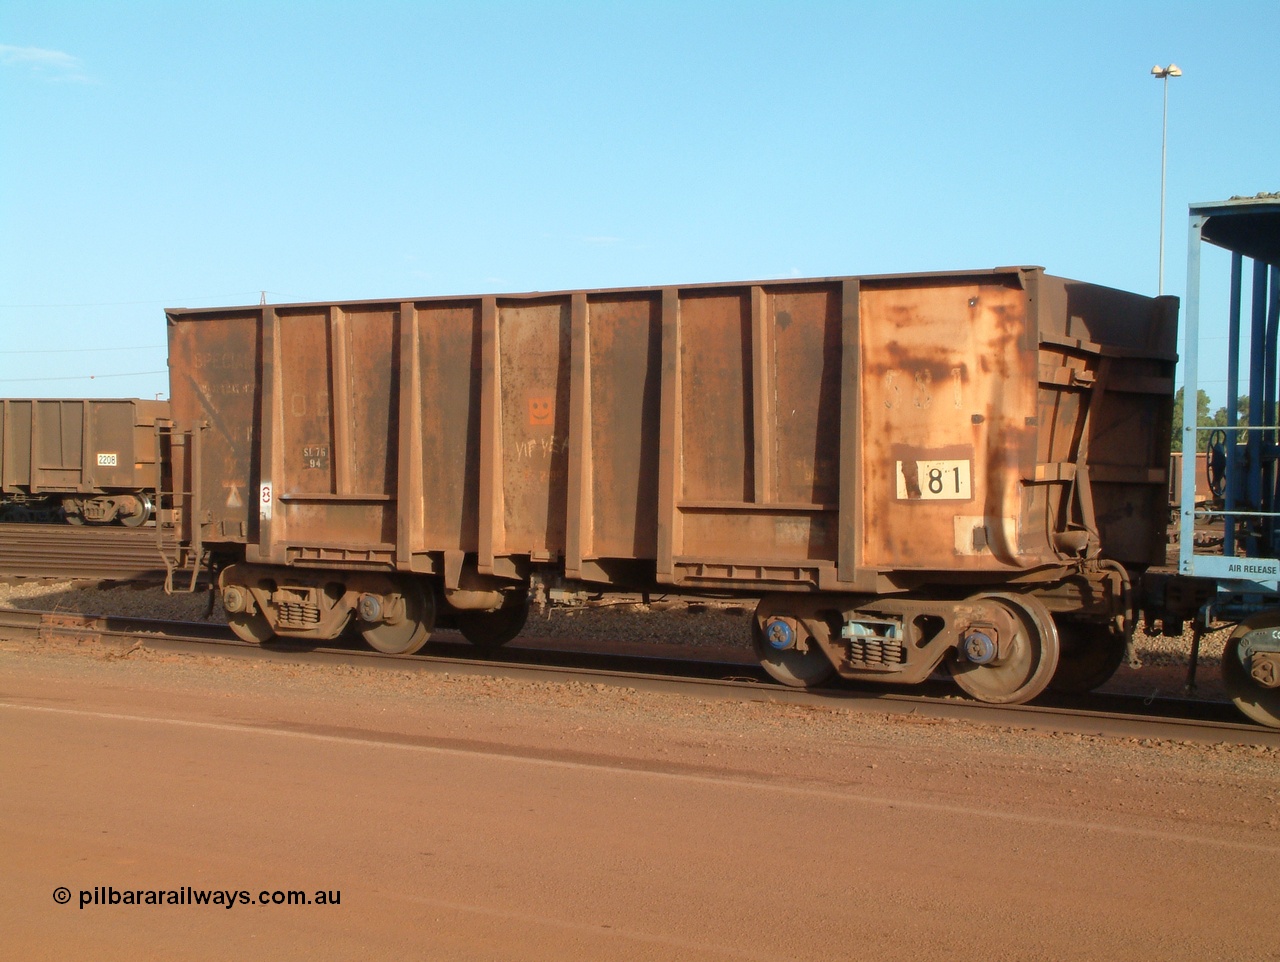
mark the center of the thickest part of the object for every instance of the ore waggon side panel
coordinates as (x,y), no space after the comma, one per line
(948,426)
(1106,409)
(215,380)
(701,429)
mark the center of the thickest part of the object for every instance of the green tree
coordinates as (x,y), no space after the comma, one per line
(1242,413)
(1202,419)
(1219,419)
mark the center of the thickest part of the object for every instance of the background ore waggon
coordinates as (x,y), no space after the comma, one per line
(964,467)
(85,460)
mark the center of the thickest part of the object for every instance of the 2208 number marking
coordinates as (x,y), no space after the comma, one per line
(947,480)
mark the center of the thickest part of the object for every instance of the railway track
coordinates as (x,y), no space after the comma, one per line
(1097,714)
(95,553)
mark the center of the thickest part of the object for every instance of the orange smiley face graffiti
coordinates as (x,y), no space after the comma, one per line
(542,411)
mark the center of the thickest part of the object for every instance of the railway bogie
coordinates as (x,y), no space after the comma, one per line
(1000,647)
(394,613)
(130,508)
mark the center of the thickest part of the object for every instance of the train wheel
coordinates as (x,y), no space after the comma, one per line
(1029,661)
(1259,703)
(69,509)
(409,630)
(493,629)
(140,518)
(1088,655)
(789,665)
(253,628)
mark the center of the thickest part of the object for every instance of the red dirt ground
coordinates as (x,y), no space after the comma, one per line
(472,818)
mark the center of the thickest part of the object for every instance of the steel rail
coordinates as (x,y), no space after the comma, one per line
(1100,715)
(63,552)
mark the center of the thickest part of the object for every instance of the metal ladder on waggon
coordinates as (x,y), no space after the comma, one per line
(177,507)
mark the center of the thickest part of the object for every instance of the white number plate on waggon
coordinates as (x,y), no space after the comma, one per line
(936,481)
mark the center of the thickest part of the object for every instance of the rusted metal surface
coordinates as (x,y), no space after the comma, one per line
(447,403)
(1203,492)
(847,434)
(621,414)
(215,389)
(532,345)
(1106,407)
(948,397)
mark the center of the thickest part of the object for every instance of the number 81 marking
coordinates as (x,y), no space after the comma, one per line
(936,481)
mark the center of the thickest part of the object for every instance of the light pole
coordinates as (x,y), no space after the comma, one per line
(1164,73)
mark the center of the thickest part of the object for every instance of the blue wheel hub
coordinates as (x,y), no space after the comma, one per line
(779,635)
(978,647)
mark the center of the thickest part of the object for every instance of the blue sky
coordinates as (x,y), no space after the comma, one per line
(193,154)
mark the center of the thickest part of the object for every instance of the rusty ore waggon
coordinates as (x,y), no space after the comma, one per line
(79,460)
(962,468)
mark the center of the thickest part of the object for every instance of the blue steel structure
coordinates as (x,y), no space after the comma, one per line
(1243,458)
